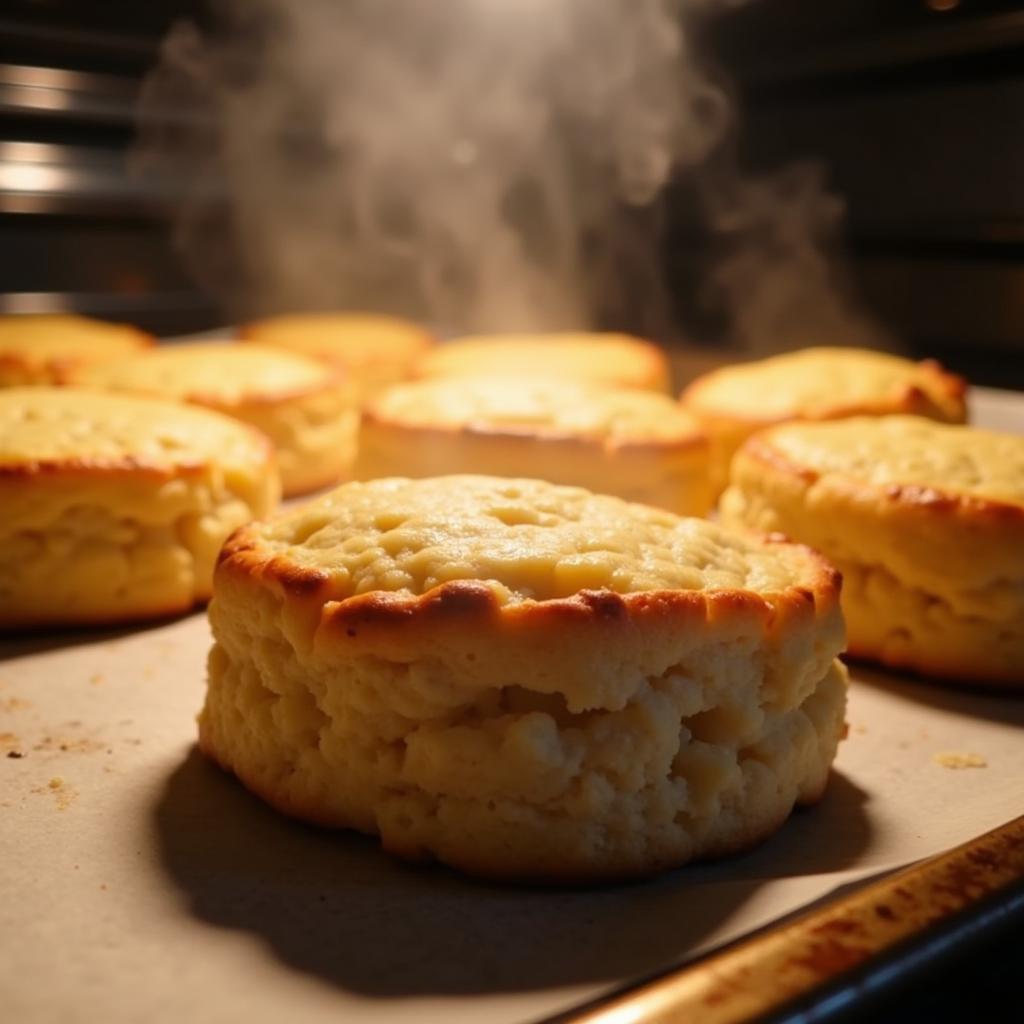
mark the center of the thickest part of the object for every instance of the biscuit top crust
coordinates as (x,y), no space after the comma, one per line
(819,383)
(901,452)
(48,428)
(41,338)
(617,358)
(214,373)
(527,539)
(536,406)
(353,339)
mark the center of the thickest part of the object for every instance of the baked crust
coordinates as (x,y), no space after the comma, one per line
(925,520)
(305,407)
(635,444)
(115,507)
(735,401)
(380,620)
(594,734)
(373,350)
(48,349)
(617,359)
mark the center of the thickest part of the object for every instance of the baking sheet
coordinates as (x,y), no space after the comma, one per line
(137,882)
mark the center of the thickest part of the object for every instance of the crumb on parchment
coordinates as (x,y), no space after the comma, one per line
(63,793)
(956,760)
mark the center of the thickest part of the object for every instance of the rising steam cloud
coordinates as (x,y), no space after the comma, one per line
(483,164)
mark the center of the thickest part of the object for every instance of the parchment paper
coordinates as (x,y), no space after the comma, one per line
(139,883)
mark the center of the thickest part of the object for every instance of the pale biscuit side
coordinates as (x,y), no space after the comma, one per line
(115,507)
(634,444)
(103,550)
(933,573)
(685,749)
(594,735)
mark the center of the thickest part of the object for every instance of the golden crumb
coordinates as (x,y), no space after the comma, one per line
(958,760)
(64,793)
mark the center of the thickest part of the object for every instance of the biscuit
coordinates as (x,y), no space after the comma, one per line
(638,445)
(305,407)
(44,348)
(926,523)
(524,680)
(373,350)
(113,508)
(603,358)
(734,402)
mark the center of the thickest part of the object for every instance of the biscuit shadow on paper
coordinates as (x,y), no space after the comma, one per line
(998,704)
(29,641)
(332,905)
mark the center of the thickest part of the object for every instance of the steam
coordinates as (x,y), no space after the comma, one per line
(481,164)
(778,273)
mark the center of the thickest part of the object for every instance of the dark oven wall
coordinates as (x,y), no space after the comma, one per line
(916,108)
(77,231)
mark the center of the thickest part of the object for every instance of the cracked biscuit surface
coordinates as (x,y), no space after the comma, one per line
(926,523)
(524,680)
(820,383)
(113,508)
(305,407)
(636,444)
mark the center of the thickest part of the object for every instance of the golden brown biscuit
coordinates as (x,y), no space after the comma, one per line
(926,523)
(602,358)
(524,680)
(817,384)
(43,348)
(305,407)
(636,444)
(113,508)
(373,350)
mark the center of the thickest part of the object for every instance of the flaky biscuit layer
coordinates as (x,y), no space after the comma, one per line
(114,507)
(926,522)
(504,720)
